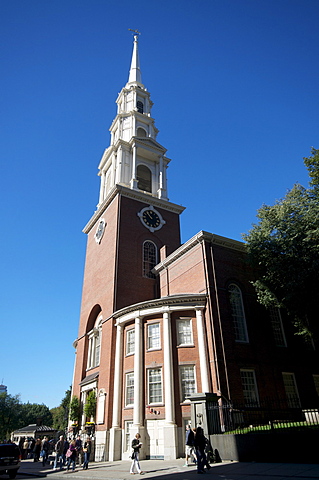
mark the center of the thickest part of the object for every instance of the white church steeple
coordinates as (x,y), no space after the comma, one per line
(135,76)
(134,158)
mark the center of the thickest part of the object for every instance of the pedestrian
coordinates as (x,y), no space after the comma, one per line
(59,448)
(189,444)
(200,442)
(78,446)
(37,450)
(65,449)
(25,447)
(87,447)
(71,456)
(136,445)
(45,450)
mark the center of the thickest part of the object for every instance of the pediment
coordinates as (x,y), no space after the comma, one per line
(149,143)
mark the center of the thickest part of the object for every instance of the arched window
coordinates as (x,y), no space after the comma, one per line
(238,313)
(94,348)
(140,106)
(144,178)
(149,258)
(141,132)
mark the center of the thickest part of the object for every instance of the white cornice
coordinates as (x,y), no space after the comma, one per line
(199,238)
(174,303)
(136,195)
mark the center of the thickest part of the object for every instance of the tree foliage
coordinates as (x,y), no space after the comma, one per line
(34,413)
(90,404)
(60,414)
(10,410)
(75,409)
(284,247)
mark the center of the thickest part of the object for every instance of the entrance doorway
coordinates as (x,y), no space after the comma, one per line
(155,439)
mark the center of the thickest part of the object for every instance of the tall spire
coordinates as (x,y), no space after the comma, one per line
(135,71)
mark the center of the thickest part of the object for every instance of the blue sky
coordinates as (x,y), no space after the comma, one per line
(235,91)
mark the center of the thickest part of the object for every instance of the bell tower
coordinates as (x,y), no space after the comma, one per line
(134,159)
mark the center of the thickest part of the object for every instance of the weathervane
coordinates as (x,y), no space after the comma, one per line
(136,32)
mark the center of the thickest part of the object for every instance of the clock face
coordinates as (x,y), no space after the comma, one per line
(99,231)
(151,219)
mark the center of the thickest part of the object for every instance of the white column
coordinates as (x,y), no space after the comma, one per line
(168,370)
(202,348)
(133,179)
(117,376)
(170,428)
(118,178)
(137,413)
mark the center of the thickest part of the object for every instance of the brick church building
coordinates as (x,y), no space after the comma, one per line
(161,320)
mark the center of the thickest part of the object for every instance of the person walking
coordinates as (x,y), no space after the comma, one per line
(200,442)
(87,447)
(37,450)
(136,445)
(45,450)
(78,446)
(189,444)
(59,448)
(71,456)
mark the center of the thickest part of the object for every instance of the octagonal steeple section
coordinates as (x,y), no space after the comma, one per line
(134,158)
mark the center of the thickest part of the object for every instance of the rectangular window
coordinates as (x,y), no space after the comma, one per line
(184,331)
(127,443)
(291,390)
(130,341)
(277,328)
(188,383)
(249,385)
(97,349)
(153,336)
(155,385)
(129,389)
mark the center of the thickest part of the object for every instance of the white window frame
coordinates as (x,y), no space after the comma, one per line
(180,331)
(184,385)
(152,401)
(94,347)
(127,439)
(250,389)
(238,313)
(129,389)
(130,342)
(153,341)
(291,390)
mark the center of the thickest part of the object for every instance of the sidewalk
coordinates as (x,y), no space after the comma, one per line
(174,470)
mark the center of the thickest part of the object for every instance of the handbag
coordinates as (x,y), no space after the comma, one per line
(68,453)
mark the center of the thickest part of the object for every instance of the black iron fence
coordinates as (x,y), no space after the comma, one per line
(268,416)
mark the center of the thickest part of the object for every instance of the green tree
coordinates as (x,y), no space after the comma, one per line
(60,414)
(284,248)
(90,404)
(32,412)
(10,412)
(75,409)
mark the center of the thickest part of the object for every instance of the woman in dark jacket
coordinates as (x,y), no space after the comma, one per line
(136,445)
(200,442)
(87,447)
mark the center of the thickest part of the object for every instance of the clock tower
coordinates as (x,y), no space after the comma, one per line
(133,221)
(134,218)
